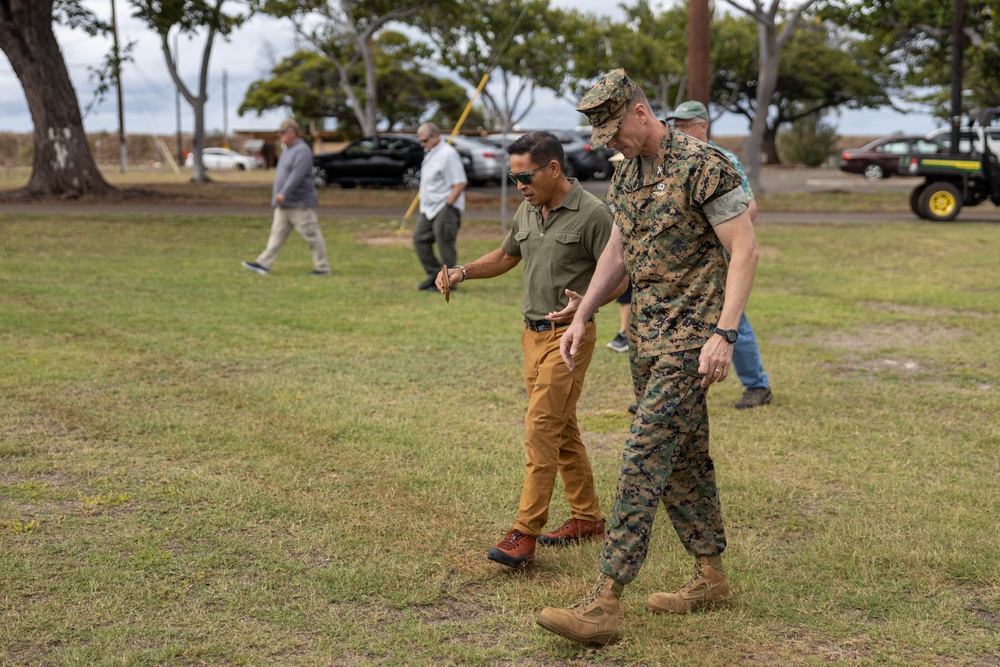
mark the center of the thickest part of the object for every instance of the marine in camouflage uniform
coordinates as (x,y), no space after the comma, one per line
(678,207)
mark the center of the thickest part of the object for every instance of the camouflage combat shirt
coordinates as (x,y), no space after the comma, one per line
(665,214)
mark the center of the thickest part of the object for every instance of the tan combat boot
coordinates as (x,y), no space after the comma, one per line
(708,585)
(592,620)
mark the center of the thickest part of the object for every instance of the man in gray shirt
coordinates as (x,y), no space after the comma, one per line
(293,197)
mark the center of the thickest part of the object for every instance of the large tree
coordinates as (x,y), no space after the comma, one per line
(651,46)
(820,70)
(914,38)
(344,31)
(190,18)
(522,44)
(775,29)
(307,85)
(63,165)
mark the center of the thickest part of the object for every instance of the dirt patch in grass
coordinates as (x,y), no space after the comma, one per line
(882,336)
(392,237)
(605,443)
(922,311)
(450,610)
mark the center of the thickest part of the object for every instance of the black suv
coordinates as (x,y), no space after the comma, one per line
(582,161)
(386,159)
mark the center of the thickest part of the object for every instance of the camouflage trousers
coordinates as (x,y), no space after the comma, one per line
(665,460)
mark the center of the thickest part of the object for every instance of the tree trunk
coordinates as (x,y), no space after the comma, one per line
(63,166)
(767,83)
(769,148)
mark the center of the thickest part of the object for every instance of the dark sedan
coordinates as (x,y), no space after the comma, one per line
(880,158)
(387,159)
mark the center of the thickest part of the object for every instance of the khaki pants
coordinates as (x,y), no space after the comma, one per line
(552,439)
(305,223)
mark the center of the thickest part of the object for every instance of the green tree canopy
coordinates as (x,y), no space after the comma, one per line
(345,32)
(308,85)
(820,70)
(535,55)
(914,39)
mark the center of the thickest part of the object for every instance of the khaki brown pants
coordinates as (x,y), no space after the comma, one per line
(552,438)
(304,221)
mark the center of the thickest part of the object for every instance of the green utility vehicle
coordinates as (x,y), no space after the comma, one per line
(956,179)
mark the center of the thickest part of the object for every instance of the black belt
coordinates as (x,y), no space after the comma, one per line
(543,325)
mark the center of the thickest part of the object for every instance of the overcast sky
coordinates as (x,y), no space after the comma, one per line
(149,93)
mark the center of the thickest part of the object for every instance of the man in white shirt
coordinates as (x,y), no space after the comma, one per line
(442,199)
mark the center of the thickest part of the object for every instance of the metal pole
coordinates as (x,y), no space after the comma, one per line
(122,146)
(956,74)
(225,109)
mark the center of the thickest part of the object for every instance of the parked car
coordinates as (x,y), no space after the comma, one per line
(222,158)
(969,141)
(386,159)
(484,162)
(581,162)
(880,158)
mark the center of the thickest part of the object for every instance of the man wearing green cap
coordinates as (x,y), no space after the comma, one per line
(679,211)
(691,118)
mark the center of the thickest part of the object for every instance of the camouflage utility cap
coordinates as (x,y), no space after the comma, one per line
(605,105)
(688,110)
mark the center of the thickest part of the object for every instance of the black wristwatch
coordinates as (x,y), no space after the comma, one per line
(729,334)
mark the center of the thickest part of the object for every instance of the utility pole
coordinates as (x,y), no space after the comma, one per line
(122,146)
(177,101)
(225,109)
(699,57)
(958,24)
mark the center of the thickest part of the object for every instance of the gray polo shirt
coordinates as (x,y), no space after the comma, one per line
(563,253)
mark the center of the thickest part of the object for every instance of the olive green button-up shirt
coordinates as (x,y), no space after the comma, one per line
(560,254)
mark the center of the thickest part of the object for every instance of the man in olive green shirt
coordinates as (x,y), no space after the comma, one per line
(560,231)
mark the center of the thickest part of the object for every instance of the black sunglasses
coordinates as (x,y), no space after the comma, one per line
(524,177)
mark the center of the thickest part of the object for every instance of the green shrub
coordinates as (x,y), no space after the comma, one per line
(810,141)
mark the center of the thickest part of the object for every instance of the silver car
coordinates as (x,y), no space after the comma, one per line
(484,162)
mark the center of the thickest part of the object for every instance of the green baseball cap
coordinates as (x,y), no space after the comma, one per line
(688,110)
(605,105)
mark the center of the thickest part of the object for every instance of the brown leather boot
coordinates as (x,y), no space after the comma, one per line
(592,620)
(709,584)
(514,550)
(573,530)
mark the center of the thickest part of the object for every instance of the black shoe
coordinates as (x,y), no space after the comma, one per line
(753,398)
(317,272)
(619,343)
(256,268)
(428,284)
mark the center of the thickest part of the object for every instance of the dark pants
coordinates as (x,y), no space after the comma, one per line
(443,230)
(665,461)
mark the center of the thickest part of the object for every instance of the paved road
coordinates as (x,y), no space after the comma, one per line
(775,180)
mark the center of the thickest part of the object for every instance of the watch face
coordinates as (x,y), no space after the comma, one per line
(731,336)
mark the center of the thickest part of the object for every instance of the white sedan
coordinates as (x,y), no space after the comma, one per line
(222,158)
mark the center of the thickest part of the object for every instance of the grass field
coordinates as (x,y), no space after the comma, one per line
(201,466)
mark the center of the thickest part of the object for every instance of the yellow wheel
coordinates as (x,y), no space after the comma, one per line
(940,202)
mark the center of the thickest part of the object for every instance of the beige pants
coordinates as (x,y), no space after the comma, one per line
(303,220)
(552,437)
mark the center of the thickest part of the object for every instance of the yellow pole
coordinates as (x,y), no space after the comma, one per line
(454,133)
